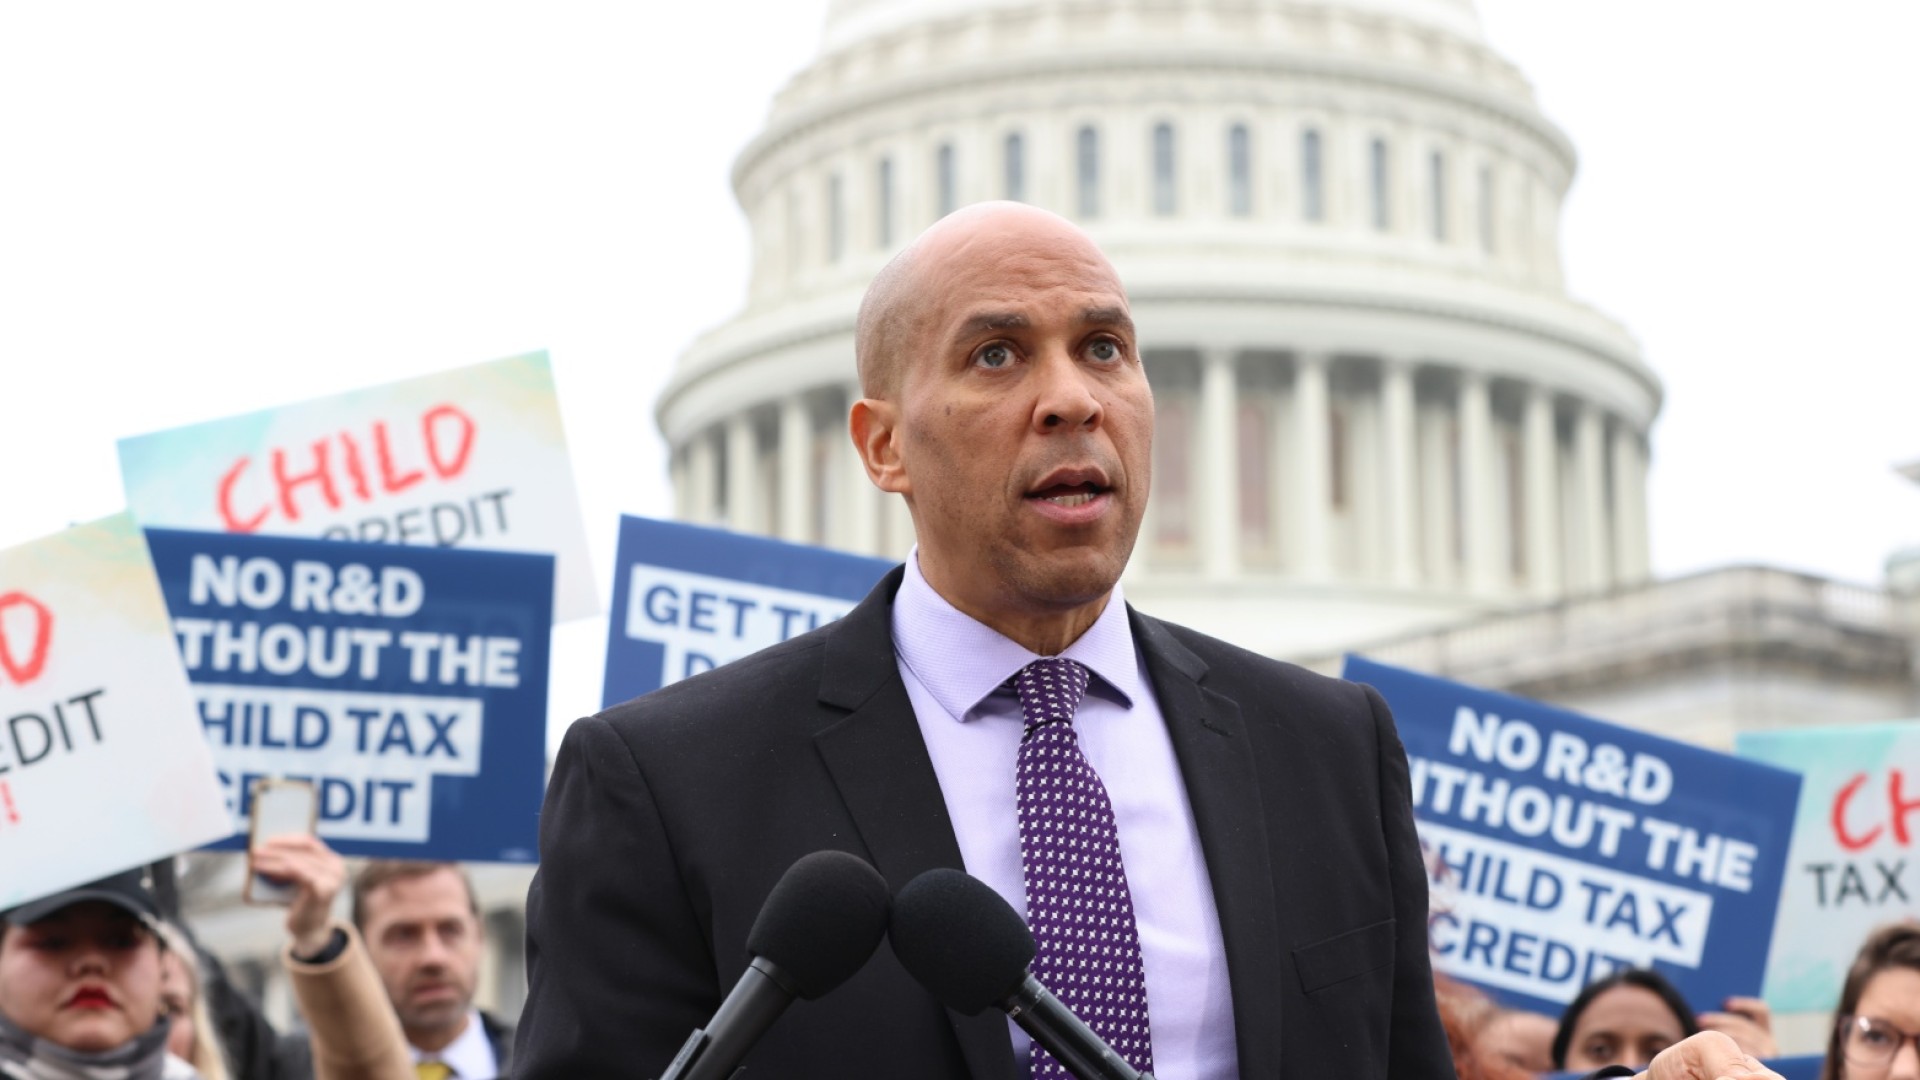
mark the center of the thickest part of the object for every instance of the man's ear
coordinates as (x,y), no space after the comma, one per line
(874,425)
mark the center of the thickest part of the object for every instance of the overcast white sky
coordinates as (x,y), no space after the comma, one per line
(209,208)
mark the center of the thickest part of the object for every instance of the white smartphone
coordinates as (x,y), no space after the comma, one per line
(280,807)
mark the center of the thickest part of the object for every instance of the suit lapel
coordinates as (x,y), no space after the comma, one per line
(879,763)
(1218,766)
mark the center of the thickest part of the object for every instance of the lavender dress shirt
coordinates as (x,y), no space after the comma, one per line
(954,668)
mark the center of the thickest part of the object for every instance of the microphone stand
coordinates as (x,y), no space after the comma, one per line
(1065,1036)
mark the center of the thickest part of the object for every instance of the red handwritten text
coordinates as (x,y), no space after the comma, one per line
(1847,823)
(339,465)
(23,671)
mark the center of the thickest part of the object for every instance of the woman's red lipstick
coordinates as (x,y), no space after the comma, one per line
(90,997)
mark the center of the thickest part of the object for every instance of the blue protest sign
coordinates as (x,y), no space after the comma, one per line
(687,599)
(1804,1067)
(1562,847)
(409,684)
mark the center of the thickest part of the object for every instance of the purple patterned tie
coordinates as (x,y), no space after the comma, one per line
(1088,949)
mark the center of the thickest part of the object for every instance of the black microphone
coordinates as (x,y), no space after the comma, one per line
(818,926)
(964,943)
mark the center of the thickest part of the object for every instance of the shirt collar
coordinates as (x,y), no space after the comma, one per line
(470,1055)
(961,661)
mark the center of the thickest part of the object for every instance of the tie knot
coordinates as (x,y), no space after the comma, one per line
(1050,690)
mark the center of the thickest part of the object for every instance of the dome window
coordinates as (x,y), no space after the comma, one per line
(1164,189)
(1239,171)
(1016,167)
(1087,172)
(1437,184)
(1486,209)
(1377,169)
(1313,203)
(883,203)
(836,220)
(946,195)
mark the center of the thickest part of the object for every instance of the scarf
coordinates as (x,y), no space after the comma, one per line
(28,1057)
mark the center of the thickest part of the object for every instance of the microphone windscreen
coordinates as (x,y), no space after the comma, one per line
(964,943)
(821,922)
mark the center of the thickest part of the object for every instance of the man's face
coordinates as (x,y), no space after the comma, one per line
(426,943)
(1022,420)
(86,977)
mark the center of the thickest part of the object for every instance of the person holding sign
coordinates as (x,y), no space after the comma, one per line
(1260,881)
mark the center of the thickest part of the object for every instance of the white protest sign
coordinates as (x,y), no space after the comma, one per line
(1852,866)
(473,457)
(102,765)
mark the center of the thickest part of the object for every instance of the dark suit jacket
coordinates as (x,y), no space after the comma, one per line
(669,819)
(500,1037)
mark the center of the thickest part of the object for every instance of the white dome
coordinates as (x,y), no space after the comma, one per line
(1376,406)
(849,21)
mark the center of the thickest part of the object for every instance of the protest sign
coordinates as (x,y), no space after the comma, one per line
(408,684)
(1850,868)
(1562,847)
(687,599)
(473,457)
(102,766)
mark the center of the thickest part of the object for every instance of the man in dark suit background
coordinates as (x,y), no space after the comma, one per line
(1278,898)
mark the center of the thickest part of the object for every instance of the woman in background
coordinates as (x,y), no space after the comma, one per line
(1633,1014)
(1876,1034)
(1623,1019)
(190,1036)
(80,979)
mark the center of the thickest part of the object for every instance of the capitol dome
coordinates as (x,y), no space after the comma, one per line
(1337,221)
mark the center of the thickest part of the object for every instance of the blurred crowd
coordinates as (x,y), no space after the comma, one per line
(95,985)
(1629,1016)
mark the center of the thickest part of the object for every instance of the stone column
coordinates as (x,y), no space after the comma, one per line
(1595,552)
(677,477)
(1629,504)
(1312,460)
(1437,476)
(744,501)
(1480,529)
(1398,463)
(1642,531)
(703,478)
(1218,484)
(795,460)
(1540,462)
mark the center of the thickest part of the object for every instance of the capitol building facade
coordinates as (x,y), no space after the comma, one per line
(1377,408)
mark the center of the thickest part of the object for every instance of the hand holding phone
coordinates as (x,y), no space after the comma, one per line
(316,874)
(280,808)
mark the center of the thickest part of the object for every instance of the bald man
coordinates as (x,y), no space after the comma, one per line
(1260,882)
